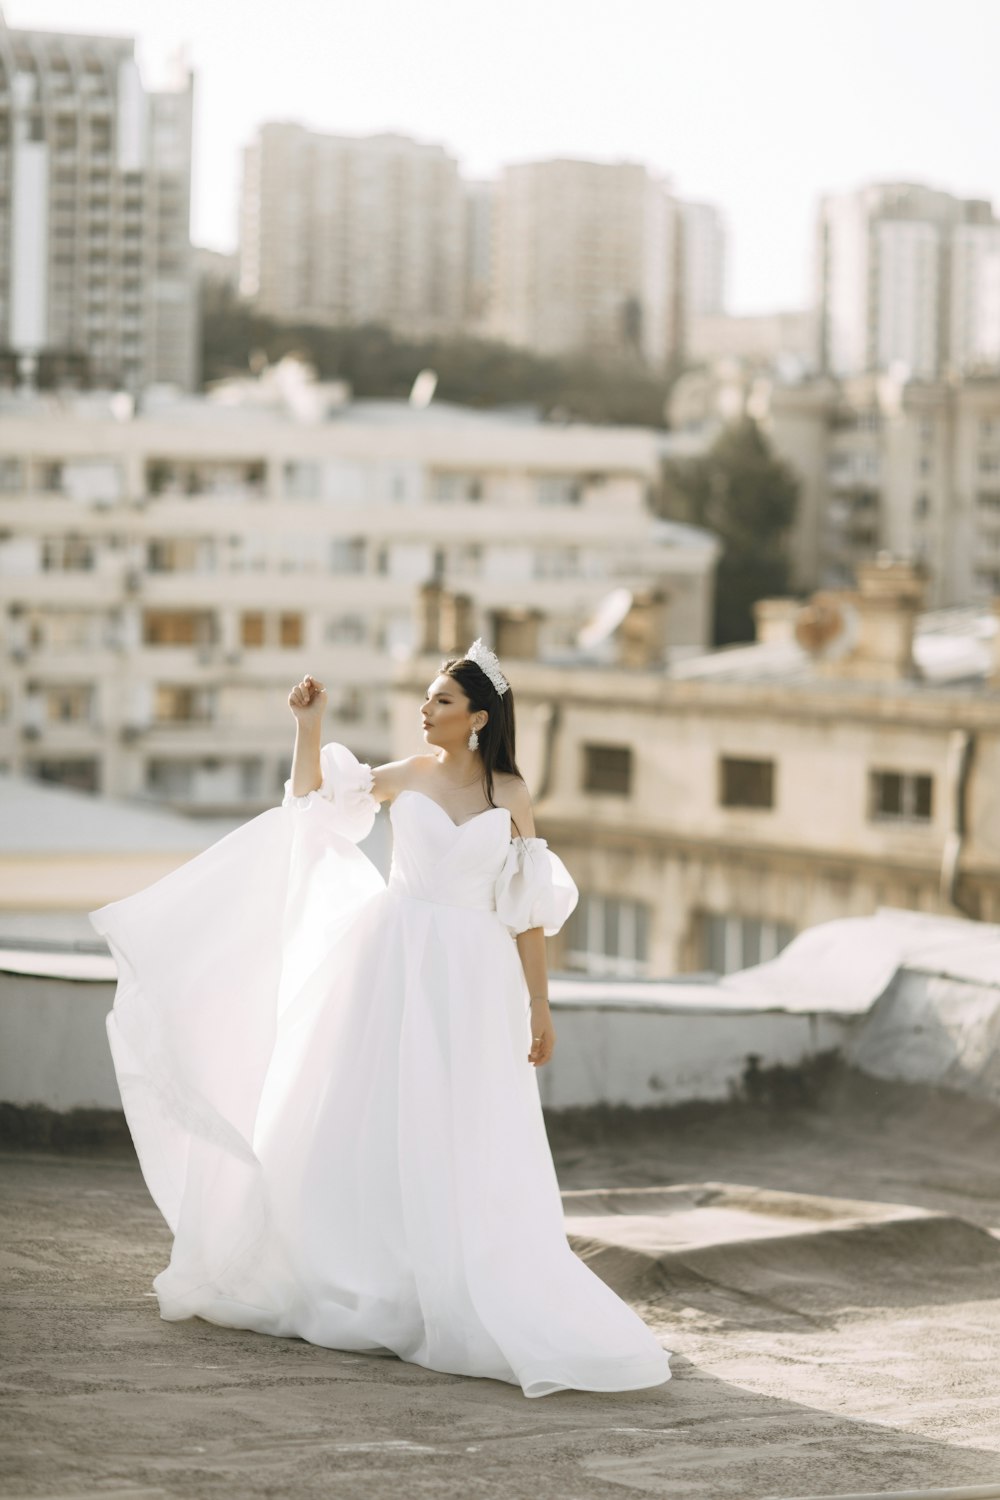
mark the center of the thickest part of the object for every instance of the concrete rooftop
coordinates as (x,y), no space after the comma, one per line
(827,1273)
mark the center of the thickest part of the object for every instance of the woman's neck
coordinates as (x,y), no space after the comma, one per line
(461,767)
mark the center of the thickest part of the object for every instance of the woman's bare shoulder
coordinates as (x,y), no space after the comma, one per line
(512,792)
(508,779)
(394,776)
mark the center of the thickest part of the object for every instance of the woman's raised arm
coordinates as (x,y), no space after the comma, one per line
(307,701)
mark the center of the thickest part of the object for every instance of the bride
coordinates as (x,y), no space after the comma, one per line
(330,1078)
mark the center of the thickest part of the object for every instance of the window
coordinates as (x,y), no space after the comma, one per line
(900,796)
(67,554)
(82,774)
(730,942)
(466,560)
(347,555)
(746,783)
(162,627)
(988,499)
(349,705)
(609,935)
(68,630)
(302,481)
(449,487)
(11,476)
(557,562)
(559,489)
(290,630)
(180,554)
(252,629)
(170,778)
(346,630)
(69,703)
(178,704)
(607,768)
(50,478)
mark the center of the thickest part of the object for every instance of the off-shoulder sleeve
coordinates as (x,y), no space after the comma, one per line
(344,795)
(534,888)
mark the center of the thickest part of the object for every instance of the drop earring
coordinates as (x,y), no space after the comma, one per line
(473,740)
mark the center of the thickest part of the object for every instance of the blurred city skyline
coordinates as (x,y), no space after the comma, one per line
(758,111)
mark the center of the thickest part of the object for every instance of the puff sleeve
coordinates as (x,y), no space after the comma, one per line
(344,795)
(534,888)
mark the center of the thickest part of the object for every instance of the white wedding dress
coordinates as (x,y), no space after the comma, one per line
(326,1079)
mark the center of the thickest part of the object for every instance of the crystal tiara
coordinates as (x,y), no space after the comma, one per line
(487,661)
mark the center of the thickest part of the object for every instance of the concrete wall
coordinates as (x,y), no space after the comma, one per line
(54,1049)
(934,1029)
(53,1044)
(662,1055)
(899,995)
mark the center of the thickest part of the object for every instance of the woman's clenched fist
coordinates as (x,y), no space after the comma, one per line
(307,700)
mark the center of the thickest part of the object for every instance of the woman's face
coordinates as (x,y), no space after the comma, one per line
(446,715)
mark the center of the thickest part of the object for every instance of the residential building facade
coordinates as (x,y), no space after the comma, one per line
(849,759)
(908,466)
(704,259)
(585,260)
(96,277)
(340,230)
(907,282)
(166,578)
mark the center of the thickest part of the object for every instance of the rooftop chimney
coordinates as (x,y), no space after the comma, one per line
(515,634)
(444,620)
(642,636)
(774,619)
(879,620)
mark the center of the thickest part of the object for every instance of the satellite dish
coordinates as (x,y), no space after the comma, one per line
(609,615)
(827,627)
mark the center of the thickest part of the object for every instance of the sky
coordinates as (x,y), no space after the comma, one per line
(758,106)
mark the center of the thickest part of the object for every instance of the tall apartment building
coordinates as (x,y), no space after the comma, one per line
(166,578)
(975,302)
(96,276)
(480,216)
(908,278)
(341,230)
(585,260)
(910,467)
(703,257)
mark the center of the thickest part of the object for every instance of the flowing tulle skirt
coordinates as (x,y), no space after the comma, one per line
(327,1086)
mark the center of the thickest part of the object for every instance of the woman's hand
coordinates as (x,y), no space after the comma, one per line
(307,700)
(543,1033)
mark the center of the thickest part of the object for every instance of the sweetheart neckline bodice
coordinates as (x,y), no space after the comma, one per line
(414,791)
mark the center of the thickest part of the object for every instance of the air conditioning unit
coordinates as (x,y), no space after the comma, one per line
(132,580)
(130,732)
(205,655)
(234,658)
(31,732)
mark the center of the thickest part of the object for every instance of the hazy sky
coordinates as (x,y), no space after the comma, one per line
(756,105)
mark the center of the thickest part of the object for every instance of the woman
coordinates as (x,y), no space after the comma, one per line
(327,1076)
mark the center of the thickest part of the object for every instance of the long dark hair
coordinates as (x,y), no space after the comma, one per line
(496,738)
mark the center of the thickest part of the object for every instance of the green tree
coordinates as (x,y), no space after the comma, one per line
(748,497)
(471,372)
